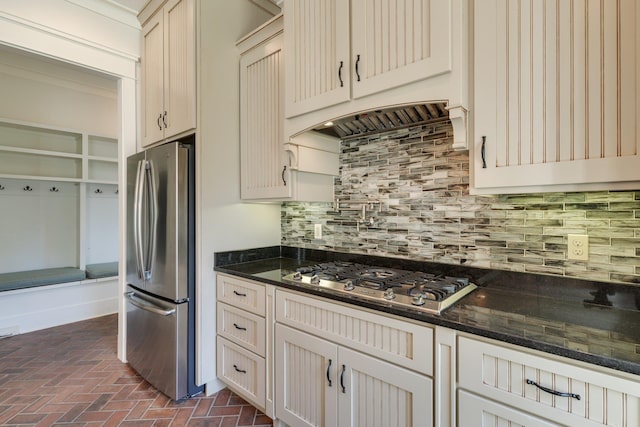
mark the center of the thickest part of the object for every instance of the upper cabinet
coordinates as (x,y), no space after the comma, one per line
(263,166)
(168,72)
(382,44)
(346,57)
(555,95)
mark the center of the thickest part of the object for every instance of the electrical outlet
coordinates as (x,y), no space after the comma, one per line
(578,247)
(317,231)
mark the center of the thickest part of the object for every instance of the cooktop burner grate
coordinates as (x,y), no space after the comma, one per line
(424,291)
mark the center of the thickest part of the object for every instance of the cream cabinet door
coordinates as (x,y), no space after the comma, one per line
(556,87)
(169,72)
(263,160)
(374,393)
(317,61)
(398,42)
(306,379)
(152,65)
(180,67)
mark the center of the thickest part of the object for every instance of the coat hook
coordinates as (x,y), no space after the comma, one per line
(54,189)
(116,191)
(98,191)
(28,188)
(1,187)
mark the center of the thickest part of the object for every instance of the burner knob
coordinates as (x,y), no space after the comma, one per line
(297,276)
(315,279)
(349,286)
(418,300)
(389,294)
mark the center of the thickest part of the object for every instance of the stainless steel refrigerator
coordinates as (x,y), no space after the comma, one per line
(161,267)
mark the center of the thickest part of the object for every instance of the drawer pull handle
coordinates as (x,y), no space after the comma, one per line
(328,369)
(555,393)
(242,371)
(240,294)
(239,327)
(344,389)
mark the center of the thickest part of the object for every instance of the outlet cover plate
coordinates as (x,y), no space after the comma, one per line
(317,231)
(578,247)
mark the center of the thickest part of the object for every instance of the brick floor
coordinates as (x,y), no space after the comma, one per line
(70,376)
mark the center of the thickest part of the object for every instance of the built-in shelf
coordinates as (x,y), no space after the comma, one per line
(59,192)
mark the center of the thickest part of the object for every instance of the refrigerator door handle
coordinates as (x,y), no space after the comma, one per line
(137,218)
(153,218)
(148,306)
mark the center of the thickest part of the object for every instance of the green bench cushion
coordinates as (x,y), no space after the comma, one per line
(105,269)
(33,278)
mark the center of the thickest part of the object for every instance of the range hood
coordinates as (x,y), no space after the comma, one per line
(384,120)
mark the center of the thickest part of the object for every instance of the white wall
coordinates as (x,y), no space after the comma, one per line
(225,222)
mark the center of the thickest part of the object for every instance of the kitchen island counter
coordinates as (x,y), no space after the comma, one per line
(594,322)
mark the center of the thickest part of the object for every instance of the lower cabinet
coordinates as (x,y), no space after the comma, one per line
(562,391)
(319,382)
(478,412)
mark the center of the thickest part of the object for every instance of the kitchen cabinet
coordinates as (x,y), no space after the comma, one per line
(354,374)
(168,72)
(244,327)
(302,169)
(555,96)
(341,50)
(263,165)
(490,372)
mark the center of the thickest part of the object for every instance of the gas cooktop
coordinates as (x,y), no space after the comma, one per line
(428,292)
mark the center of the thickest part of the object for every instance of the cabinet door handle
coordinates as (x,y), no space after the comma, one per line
(328,376)
(284,181)
(344,389)
(242,371)
(239,293)
(164,119)
(340,73)
(482,152)
(240,328)
(554,392)
(158,121)
(357,72)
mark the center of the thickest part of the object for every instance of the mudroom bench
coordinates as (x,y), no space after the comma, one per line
(37,299)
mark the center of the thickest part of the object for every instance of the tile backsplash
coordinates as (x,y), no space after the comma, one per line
(428,214)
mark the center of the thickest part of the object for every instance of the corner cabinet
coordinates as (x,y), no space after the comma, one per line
(168,72)
(337,55)
(263,165)
(555,96)
(377,371)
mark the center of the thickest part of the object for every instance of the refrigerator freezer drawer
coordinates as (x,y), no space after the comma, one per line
(157,342)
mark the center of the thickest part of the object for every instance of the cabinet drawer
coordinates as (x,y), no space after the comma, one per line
(241,327)
(501,373)
(240,293)
(478,412)
(243,371)
(402,343)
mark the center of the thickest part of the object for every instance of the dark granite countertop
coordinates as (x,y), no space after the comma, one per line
(594,322)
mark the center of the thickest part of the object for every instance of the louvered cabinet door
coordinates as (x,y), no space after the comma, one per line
(556,87)
(374,393)
(317,61)
(306,379)
(395,42)
(152,66)
(263,172)
(180,67)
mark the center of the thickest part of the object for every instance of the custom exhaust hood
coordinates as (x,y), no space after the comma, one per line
(384,120)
